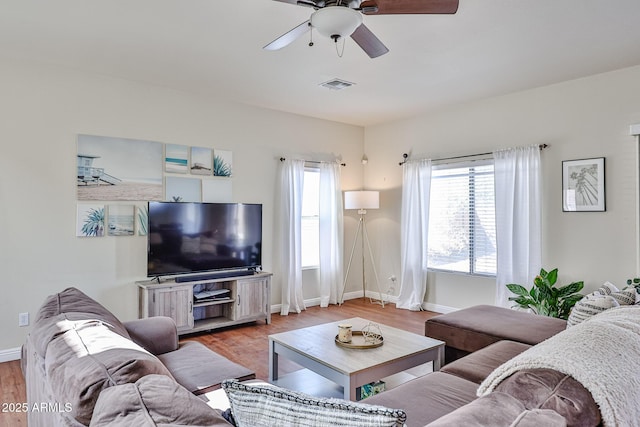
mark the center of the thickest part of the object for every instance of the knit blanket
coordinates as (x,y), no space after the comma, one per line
(602,353)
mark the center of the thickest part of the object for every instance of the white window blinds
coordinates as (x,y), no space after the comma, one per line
(462,229)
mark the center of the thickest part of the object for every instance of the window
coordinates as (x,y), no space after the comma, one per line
(311,219)
(462,225)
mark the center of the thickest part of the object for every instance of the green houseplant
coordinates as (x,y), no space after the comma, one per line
(544,298)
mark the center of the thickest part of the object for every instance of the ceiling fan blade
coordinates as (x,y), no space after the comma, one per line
(308,3)
(289,37)
(389,7)
(369,42)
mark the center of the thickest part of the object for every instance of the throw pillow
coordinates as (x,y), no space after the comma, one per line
(606,297)
(589,306)
(265,405)
(84,361)
(152,401)
(607,289)
(624,297)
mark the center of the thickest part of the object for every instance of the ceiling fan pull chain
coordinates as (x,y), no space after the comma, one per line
(310,36)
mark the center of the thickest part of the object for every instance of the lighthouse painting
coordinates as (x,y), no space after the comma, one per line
(119,169)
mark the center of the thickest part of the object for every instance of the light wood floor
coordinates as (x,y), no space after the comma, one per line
(246,345)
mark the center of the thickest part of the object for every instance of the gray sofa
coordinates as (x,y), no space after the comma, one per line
(84,367)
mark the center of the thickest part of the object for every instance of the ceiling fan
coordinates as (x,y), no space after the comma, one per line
(341,18)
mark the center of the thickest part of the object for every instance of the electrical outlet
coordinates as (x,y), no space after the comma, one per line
(23,319)
(392,286)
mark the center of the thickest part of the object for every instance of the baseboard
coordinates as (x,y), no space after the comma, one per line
(275,308)
(10,354)
(438,308)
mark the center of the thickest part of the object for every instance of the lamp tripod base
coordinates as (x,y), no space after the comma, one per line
(362,230)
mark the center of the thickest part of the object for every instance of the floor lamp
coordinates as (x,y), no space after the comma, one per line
(362,200)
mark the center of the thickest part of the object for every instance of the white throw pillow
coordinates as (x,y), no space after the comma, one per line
(589,306)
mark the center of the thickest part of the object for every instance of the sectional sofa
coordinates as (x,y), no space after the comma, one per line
(83,367)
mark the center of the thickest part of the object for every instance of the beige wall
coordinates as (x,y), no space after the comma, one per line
(579,119)
(43,109)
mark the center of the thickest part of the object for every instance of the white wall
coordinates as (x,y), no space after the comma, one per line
(579,119)
(42,109)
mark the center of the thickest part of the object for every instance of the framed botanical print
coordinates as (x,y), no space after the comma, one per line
(583,185)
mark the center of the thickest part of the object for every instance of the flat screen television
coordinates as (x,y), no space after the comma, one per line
(187,238)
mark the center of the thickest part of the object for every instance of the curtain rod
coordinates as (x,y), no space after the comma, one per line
(405,155)
(282,159)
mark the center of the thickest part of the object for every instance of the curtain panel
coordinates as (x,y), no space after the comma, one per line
(288,234)
(416,188)
(331,234)
(518,218)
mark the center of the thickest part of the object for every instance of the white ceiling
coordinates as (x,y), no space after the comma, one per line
(214,48)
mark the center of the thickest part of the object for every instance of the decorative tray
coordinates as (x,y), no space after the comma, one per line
(357,341)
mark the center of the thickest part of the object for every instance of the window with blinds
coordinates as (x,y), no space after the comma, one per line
(462,224)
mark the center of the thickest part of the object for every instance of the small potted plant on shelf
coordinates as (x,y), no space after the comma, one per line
(544,298)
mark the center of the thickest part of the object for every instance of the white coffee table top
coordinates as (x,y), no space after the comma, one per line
(318,343)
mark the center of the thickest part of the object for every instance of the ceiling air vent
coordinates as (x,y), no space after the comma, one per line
(336,84)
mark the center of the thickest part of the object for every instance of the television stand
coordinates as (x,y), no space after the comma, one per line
(234,299)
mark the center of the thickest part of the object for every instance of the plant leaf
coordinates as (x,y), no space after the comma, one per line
(517,289)
(552,276)
(570,289)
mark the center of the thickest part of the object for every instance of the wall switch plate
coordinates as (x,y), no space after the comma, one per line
(23,319)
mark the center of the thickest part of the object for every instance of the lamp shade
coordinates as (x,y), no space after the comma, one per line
(361,199)
(334,21)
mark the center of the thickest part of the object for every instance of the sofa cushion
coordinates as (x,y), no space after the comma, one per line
(157,334)
(499,410)
(476,327)
(62,311)
(89,358)
(427,398)
(153,400)
(538,418)
(200,370)
(265,405)
(478,365)
(550,389)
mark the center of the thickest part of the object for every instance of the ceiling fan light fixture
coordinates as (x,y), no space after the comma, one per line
(332,21)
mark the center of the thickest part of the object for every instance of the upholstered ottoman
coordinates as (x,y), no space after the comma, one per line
(473,328)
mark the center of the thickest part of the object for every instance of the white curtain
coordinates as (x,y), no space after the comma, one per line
(518,218)
(288,234)
(331,233)
(416,188)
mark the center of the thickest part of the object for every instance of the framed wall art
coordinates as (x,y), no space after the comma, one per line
(583,186)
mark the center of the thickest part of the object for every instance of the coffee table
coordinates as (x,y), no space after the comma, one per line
(315,349)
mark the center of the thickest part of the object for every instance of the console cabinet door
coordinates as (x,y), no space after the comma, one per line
(175,302)
(252,300)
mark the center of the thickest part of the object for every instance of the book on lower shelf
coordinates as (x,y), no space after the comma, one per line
(370,389)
